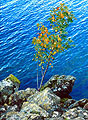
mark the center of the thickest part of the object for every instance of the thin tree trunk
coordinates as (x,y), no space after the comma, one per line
(41,71)
(44,74)
(37,74)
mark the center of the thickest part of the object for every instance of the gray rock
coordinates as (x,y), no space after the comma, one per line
(86,106)
(65,103)
(20,96)
(80,103)
(33,108)
(23,116)
(12,115)
(7,87)
(75,113)
(6,108)
(60,85)
(46,99)
(28,112)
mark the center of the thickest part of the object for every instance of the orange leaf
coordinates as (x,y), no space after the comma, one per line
(43,38)
(59,46)
(50,64)
(45,35)
(42,32)
(62,16)
(43,26)
(42,44)
(57,8)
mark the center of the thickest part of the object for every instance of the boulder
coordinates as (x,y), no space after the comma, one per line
(46,99)
(80,103)
(28,112)
(33,108)
(7,87)
(86,106)
(76,114)
(65,103)
(60,85)
(21,116)
(21,96)
(6,108)
(12,115)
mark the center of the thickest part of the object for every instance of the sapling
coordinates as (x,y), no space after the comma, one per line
(53,40)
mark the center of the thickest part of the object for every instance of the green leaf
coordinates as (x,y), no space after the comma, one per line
(70,19)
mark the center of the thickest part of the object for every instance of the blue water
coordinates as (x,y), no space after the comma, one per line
(18,19)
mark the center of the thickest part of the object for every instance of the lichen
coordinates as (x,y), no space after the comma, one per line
(13,78)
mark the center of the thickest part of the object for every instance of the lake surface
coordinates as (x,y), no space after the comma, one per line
(18,19)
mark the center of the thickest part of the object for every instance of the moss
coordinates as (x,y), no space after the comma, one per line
(53,83)
(13,78)
(66,118)
(35,112)
(64,100)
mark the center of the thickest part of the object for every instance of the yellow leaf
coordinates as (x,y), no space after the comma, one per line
(56,30)
(53,20)
(55,43)
(59,39)
(39,64)
(54,53)
(45,45)
(42,67)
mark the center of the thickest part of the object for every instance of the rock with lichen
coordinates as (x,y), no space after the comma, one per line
(21,96)
(60,85)
(45,99)
(52,102)
(7,87)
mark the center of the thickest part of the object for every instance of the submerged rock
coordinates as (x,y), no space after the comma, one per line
(60,85)
(7,87)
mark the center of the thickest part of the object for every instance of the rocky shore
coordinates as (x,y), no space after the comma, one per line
(52,102)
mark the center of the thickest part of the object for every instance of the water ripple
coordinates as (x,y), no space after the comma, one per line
(18,21)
